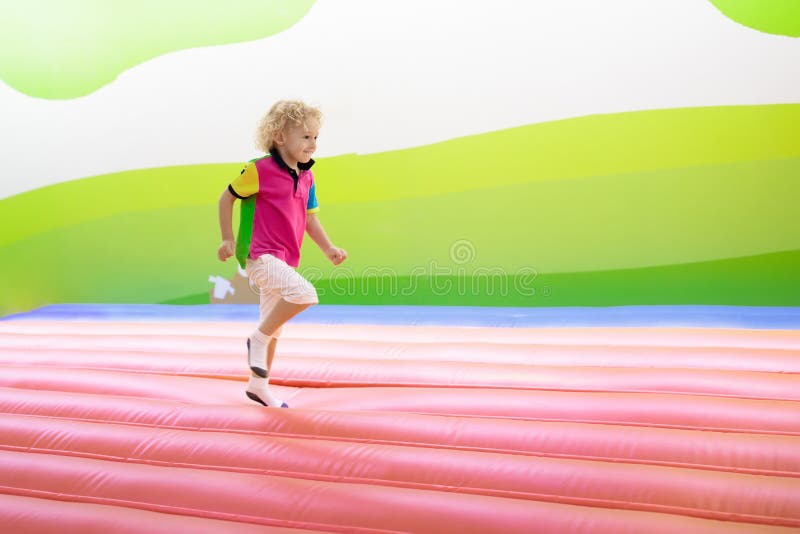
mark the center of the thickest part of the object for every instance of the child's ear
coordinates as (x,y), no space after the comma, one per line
(278,138)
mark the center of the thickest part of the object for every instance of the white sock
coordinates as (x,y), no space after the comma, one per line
(257,352)
(260,388)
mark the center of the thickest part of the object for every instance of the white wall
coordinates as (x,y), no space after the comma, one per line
(392,74)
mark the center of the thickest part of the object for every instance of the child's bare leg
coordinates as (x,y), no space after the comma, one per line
(261,350)
(261,344)
(279,314)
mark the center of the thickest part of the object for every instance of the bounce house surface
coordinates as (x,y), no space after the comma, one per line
(656,419)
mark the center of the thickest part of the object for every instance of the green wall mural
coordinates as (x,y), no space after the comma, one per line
(61,49)
(780,17)
(676,206)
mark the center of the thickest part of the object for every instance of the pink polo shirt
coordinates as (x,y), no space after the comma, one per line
(282,201)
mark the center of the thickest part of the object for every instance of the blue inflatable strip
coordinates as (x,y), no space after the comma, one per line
(785,318)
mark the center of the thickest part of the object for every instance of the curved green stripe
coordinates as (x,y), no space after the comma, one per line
(781,17)
(129,257)
(594,145)
(98,197)
(594,224)
(599,145)
(762,280)
(627,220)
(583,224)
(69,48)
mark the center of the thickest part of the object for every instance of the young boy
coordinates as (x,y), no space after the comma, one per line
(279,204)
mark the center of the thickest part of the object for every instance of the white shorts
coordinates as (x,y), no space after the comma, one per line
(274,279)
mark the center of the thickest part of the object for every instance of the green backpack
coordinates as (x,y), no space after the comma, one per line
(247,212)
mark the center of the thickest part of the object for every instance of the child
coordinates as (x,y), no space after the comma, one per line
(278,203)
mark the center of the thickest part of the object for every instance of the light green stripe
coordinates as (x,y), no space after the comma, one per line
(61,49)
(780,17)
(603,145)
(595,145)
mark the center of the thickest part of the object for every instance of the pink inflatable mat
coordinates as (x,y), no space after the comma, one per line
(143,425)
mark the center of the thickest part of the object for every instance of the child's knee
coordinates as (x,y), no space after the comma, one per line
(303,294)
(298,290)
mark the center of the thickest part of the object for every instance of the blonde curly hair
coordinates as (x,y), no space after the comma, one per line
(278,116)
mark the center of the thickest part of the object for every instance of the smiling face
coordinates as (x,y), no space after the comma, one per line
(296,143)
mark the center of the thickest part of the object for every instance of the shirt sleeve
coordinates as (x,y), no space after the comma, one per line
(313,205)
(246,184)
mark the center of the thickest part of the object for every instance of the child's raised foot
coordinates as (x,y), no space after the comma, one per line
(258,390)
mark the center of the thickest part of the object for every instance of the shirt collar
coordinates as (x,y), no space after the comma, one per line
(282,164)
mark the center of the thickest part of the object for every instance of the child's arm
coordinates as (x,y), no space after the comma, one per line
(228,246)
(317,233)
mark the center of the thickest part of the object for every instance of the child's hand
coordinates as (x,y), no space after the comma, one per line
(336,255)
(226,249)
